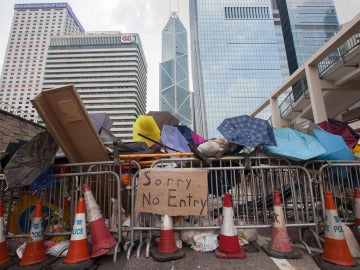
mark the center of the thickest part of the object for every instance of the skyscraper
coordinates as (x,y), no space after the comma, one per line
(24,63)
(175,96)
(238,58)
(306,26)
(108,70)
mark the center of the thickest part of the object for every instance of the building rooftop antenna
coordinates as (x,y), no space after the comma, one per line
(171,11)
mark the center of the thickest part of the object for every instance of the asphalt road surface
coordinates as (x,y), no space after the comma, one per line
(255,258)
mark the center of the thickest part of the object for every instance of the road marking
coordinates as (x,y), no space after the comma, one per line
(283,264)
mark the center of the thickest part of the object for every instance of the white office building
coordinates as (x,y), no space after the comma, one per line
(109,71)
(24,61)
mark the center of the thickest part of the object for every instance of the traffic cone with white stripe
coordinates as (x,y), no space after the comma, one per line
(78,250)
(357,213)
(78,255)
(166,249)
(101,239)
(280,246)
(35,247)
(4,254)
(229,246)
(336,253)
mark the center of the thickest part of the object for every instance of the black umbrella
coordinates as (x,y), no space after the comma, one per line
(10,150)
(163,118)
(30,160)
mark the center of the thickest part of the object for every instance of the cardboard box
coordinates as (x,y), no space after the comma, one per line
(69,123)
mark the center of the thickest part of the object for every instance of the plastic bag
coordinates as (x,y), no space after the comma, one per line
(205,242)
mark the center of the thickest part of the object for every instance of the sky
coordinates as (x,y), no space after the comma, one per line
(145,17)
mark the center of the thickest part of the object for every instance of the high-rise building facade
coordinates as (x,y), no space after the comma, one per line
(109,71)
(24,62)
(306,26)
(238,58)
(175,96)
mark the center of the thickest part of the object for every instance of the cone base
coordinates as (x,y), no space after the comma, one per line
(294,254)
(4,254)
(324,265)
(77,266)
(229,248)
(102,240)
(225,255)
(162,257)
(9,263)
(34,253)
(99,252)
(78,252)
(39,266)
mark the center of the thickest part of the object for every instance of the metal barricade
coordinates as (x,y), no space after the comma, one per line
(59,192)
(339,177)
(251,182)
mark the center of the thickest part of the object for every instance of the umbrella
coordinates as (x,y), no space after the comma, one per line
(305,126)
(340,123)
(341,130)
(186,132)
(191,136)
(172,137)
(163,118)
(197,138)
(30,160)
(101,121)
(247,131)
(10,150)
(295,145)
(334,145)
(146,125)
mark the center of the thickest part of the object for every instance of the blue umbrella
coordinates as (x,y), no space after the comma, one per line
(295,145)
(172,137)
(186,132)
(247,131)
(334,145)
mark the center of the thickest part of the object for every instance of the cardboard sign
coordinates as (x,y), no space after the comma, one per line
(173,192)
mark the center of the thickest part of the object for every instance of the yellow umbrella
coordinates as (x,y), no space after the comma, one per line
(146,125)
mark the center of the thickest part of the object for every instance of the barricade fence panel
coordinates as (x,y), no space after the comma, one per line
(339,177)
(59,191)
(251,183)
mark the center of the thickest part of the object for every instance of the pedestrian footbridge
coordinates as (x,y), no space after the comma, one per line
(327,85)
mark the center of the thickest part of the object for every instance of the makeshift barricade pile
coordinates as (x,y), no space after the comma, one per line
(250,181)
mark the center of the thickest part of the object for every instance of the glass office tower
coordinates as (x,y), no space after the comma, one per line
(306,26)
(236,59)
(175,96)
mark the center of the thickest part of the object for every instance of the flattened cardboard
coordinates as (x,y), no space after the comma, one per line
(69,123)
(173,192)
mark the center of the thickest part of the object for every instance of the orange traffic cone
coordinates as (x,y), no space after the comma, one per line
(167,249)
(102,240)
(4,254)
(229,246)
(35,248)
(357,213)
(77,256)
(78,250)
(279,246)
(336,253)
